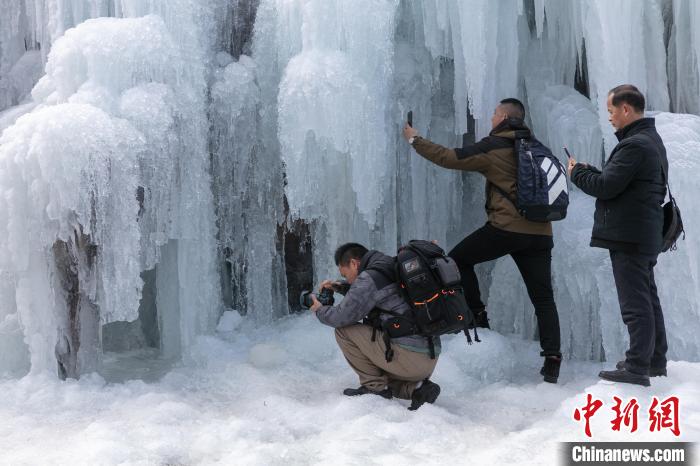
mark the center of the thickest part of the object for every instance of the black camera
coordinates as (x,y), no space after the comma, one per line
(325,297)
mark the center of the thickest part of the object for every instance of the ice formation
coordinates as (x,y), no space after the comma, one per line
(109,176)
(166,162)
(332,123)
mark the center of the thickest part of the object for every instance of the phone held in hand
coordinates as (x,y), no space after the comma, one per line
(567,152)
(409,120)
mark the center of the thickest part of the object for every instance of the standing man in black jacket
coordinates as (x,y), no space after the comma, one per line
(628,221)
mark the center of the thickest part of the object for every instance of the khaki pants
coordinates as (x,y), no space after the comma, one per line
(367,358)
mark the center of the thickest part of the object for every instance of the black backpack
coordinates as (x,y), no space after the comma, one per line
(542,189)
(431,284)
(673,223)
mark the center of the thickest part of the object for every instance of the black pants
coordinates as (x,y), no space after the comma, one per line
(533,256)
(641,310)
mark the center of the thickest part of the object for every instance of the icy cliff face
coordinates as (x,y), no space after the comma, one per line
(332,122)
(164,161)
(109,176)
(679,271)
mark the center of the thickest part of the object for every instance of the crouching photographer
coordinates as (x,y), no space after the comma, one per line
(389,367)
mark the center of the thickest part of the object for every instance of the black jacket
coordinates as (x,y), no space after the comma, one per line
(630,191)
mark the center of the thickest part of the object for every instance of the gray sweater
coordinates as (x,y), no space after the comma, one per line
(363,296)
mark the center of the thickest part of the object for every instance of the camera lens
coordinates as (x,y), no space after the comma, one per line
(326,297)
(305,299)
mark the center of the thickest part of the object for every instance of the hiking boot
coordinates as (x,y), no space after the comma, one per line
(653,371)
(426,393)
(362,390)
(625,376)
(550,369)
(481,320)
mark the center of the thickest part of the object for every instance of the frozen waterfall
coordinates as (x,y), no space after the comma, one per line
(165,161)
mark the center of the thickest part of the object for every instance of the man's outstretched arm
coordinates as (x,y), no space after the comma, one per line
(357,303)
(473,157)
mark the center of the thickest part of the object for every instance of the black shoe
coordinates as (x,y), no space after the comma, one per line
(362,390)
(653,371)
(625,376)
(550,369)
(427,393)
(481,320)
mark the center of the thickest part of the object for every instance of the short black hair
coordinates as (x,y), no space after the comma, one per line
(628,94)
(516,109)
(348,251)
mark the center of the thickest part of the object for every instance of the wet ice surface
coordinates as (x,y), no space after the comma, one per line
(144,364)
(273,396)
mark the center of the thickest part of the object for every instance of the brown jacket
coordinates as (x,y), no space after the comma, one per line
(493,157)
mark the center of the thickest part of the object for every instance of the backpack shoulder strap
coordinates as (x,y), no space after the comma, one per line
(505,194)
(668,186)
(521,136)
(663,169)
(380,278)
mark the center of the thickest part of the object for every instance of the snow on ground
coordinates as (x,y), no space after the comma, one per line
(273,396)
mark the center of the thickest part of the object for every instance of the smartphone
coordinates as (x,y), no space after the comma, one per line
(410,118)
(567,152)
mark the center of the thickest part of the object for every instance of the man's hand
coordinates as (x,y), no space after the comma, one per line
(409,132)
(316,305)
(325,284)
(572,164)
